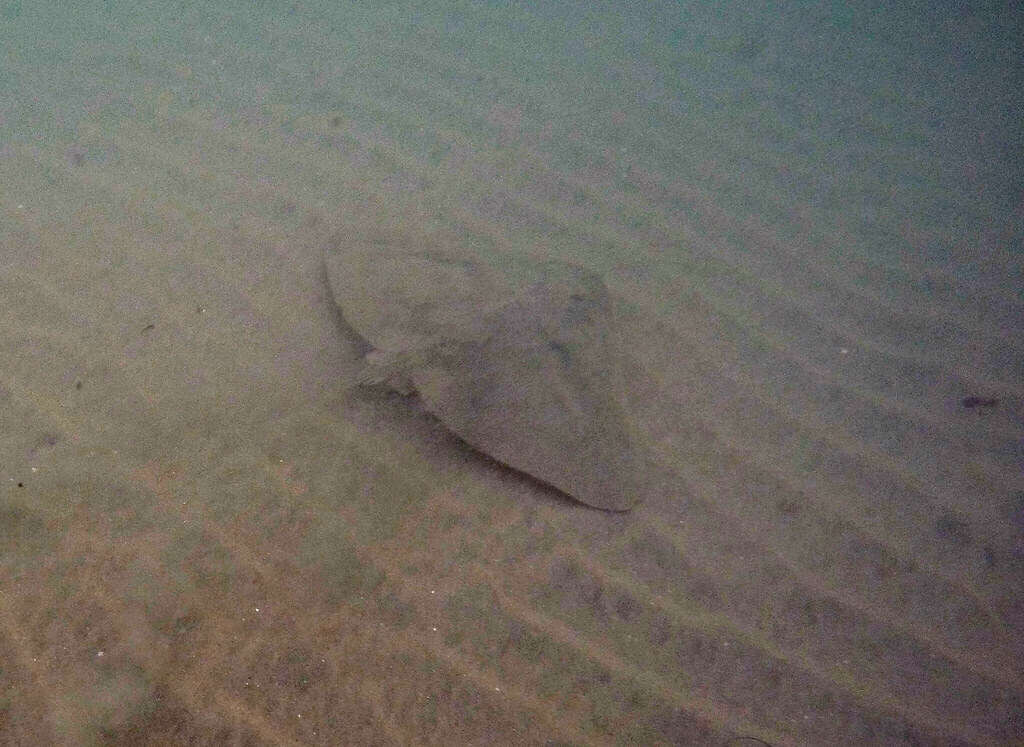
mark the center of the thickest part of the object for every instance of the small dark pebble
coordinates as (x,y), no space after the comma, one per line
(21,484)
(44,442)
(980,402)
(1017,510)
(990,557)
(78,385)
(954,530)
(76,155)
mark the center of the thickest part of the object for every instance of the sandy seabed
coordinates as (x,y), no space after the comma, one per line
(209,536)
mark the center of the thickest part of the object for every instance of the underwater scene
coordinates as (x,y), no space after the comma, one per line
(508,373)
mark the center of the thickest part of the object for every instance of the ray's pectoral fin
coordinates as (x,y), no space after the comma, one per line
(431,382)
(385,370)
